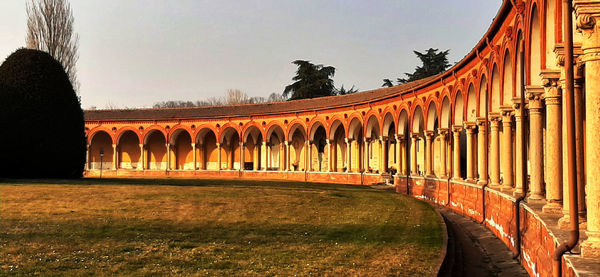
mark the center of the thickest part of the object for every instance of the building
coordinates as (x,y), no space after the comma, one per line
(455,139)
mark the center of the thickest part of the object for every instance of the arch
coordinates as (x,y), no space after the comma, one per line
(335,125)
(252,131)
(295,126)
(128,150)
(125,129)
(372,128)
(403,123)
(535,48)
(177,129)
(388,125)
(155,142)
(181,154)
(207,150)
(152,129)
(277,130)
(99,129)
(418,121)
(297,149)
(483,93)
(226,133)
(471,104)
(507,81)
(432,117)
(100,142)
(313,126)
(355,128)
(459,109)
(495,92)
(446,116)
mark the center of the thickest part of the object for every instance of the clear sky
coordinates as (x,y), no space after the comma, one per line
(134,53)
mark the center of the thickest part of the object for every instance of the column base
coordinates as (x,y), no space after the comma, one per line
(518,193)
(564,223)
(457,179)
(552,207)
(591,247)
(482,183)
(535,197)
(430,176)
(506,188)
(496,186)
(471,180)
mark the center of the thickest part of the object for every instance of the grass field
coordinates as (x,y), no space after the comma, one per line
(212,227)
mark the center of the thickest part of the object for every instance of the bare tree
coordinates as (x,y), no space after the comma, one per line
(50,29)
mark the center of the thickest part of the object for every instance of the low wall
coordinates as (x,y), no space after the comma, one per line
(301,176)
(537,241)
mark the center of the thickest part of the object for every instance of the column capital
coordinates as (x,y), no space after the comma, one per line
(552,88)
(587,15)
(443,131)
(506,112)
(495,117)
(457,128)
(286,143)
(328,141)
(535,96)
(517,105)
(219,145)
(470,127)
(429,134)
(415,136)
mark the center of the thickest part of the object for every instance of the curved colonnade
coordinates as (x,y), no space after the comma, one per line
(453,139)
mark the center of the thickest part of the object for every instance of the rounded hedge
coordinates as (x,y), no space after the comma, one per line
(41,117)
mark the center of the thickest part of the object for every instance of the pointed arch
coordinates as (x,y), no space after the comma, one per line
(471,104)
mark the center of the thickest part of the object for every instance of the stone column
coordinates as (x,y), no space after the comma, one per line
(588,16)
(264,156)
(519,151)
(269,158)
(329,154)
(552,97)
(202,156)
(194,156)
(115,158)
(428,153)
(536,157)
(348,153)
(413,155)
(366,155)
(495,121)
(482,151)
(231,155)
(142,158)
(443,150)
(507,151)
(404,156)
(399,163)
(219,156)
(381,157)
(255,157)
(287,165)
(471,158)
(456,132)
(310,156)
(242,155)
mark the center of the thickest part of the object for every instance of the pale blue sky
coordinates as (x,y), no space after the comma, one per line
(134,53)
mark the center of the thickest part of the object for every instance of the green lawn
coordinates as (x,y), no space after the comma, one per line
(212,227)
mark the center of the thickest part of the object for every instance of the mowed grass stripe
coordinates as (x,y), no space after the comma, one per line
(212,227)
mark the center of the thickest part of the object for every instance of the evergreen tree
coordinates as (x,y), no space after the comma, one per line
(434,62)
(311,81)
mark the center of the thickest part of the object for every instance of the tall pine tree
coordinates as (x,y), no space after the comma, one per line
(434,63)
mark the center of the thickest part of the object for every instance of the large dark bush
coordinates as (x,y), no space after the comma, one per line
(42,121)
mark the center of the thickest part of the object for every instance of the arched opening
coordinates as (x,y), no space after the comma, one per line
(230,149)
(535,48)
(432,129)
(418,131)
(252,149)
(495,93)
(389,146)
(459,121)
(508,91)
(128,148)
(337,140)
(155,143)
(403,131)
(276,148)
(356,138)
(182,156)
(297,148)
(101,143)
(207,152)
(319,159)
(373,145)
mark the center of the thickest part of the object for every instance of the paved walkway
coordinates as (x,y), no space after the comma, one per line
(474,251)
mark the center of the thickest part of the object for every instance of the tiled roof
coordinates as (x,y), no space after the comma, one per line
(252,109)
